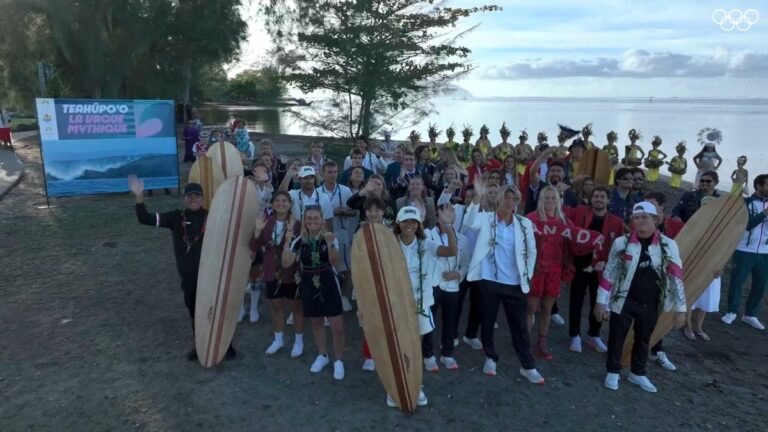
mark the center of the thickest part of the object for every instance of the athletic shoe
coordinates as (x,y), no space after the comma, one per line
(557,320)
(542,350)
(298,349)
(274,347)
(612,381)
(728,318)
(422,399)
(430,364)
(320,362)
(338,370)
(369,365)
(533,376)
(391,402)
(346,306)
(662,360)
(456,342)
(597,343)
(642,381)
(192,355)
(242,314)
(489,368)
(474,343)
(289,320)
(326,323)
(576,344)
(449,362)
(754,322)
(231,353)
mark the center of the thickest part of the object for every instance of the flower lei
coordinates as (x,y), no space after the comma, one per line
(422,275)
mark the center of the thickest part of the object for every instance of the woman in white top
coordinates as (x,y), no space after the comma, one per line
(421,256)
(449,271)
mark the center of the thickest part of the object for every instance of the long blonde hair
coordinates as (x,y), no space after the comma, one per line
(558,205)
(452,160)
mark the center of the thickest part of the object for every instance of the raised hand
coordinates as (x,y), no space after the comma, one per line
(261,222)
(329,238)
(136,185)
(480,189)
(446,215)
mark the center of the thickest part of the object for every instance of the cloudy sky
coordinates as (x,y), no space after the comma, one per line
(604,48)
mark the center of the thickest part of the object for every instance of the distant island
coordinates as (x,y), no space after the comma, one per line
(456,92)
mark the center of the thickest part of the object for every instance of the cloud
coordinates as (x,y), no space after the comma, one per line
(638,63)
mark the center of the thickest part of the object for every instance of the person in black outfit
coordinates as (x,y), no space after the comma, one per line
(187,229)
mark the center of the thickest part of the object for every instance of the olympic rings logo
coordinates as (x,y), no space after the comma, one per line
(735,19)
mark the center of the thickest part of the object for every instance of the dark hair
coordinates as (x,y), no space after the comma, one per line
(635,170)
(418,150)
(330,164)
(419,231)
(621,172)
(349,176)
(408,153)
(281,193)
(759,180)
(656,196)
(356,151)
(603,189)
(557,163)
(363,138)
(374,202)
(712,174)
(476,150)
(258,163)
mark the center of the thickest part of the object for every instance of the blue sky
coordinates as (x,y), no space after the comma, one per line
(605,48)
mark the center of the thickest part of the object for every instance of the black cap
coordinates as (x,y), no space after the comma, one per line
(191,188)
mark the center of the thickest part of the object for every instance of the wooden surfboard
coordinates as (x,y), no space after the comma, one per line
(388,311)
(706,243)
(204,172)
(596,164)
(224,266)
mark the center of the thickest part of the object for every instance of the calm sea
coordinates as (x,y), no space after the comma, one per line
(673,119)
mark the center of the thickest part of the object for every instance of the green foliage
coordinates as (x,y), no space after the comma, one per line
(256,85)
(379,61)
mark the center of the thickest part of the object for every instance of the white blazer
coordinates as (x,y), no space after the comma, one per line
(526,259)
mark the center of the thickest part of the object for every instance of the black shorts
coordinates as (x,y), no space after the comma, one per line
(278,290)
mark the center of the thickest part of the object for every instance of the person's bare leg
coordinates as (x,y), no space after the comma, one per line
(298,316)
(337,329)
(545,314)
(318,331)
(278,312)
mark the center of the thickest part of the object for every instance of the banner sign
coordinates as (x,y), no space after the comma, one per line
(91,146)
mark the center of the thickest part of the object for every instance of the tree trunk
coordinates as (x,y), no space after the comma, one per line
(365,117)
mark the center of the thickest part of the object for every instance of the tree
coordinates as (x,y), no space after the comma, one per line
(375,59)
(256,85)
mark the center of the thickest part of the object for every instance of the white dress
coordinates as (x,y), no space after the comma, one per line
(709,301)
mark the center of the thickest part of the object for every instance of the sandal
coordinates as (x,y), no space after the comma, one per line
(689,334)
(700,333)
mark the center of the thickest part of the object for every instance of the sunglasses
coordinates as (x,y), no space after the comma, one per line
(627,179)
(706,181)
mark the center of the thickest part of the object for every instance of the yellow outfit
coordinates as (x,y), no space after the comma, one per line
(484,145)
(653,173)
(679,164)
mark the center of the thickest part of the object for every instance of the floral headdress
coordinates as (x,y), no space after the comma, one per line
(504,131)
(710,136)
(414,136)
(542,137)
(681,146)
(656,140)
(635,134)
(612,136)
(450,132)
(467,132)
(523,136)
(742,158)
(484,130)
(432,132)
(587,130)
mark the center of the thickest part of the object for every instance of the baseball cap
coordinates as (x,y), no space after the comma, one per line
(193,188)
(408,213)
(306,171)
(644,207)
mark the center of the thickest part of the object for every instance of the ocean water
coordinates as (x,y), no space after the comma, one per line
(742,122)
(102,186)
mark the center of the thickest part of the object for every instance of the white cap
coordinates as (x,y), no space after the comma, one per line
(644,207)
(408,213)
(306,171)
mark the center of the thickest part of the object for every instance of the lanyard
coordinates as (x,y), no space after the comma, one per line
(316,197)
(333,194)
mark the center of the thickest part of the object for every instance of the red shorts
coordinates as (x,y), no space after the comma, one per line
(5,134)
(546,283)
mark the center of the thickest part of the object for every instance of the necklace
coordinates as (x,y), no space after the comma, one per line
(184,223)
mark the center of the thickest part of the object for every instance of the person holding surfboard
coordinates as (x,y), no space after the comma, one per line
(317,250)
(503,262)
(643,277)
(187,229)
(269,239)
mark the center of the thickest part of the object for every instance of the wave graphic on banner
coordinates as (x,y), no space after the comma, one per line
(72,169)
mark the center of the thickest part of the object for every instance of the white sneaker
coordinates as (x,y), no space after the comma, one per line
(297,350)
(346,306)
(369,365)
(662,360)
(326,323)
(338,370)
(474,343)
(275,347)
(391,402)
(533,376)
(754,322)
(597,343)
(422,399)
(612,381)
(449,362)
(557,320)
(430,364)
(576,344)
(642,381)
(489,368)
(242,314)
(728,318)
(456,342)
(320,362)
(289,320)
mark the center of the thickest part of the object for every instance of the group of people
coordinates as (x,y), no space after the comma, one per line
(473,223)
